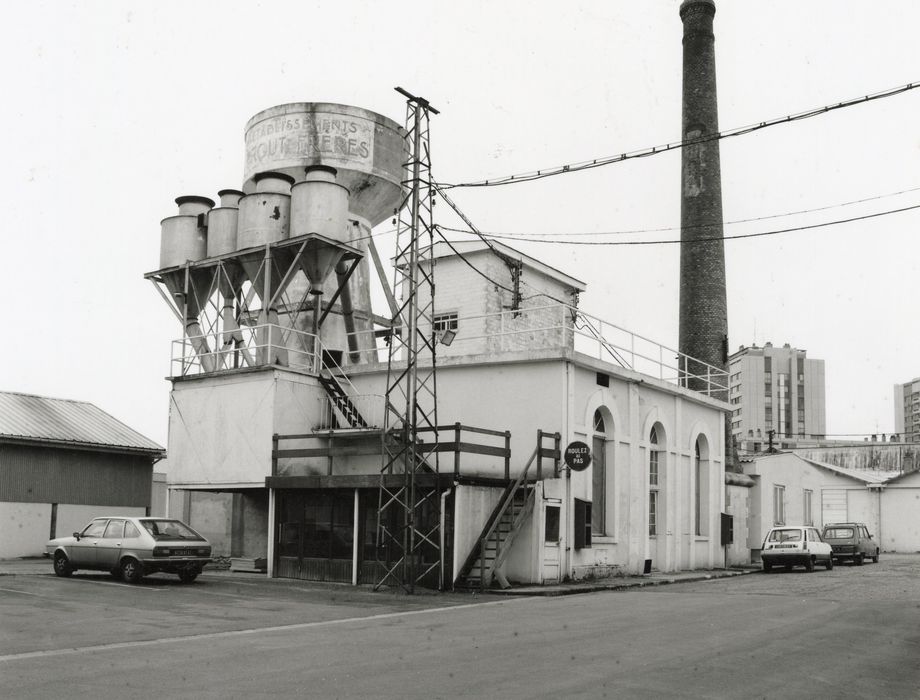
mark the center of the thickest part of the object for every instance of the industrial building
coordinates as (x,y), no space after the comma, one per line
(791,489)
(907,410)
(775,390)
(63,463)
(291,437)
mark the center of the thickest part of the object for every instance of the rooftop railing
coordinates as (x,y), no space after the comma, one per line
(543,327)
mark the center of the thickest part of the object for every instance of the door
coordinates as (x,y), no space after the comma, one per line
(83,551)
(316,534)
(108,548)
(833,506)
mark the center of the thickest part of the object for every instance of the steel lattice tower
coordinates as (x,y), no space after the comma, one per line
(409,541)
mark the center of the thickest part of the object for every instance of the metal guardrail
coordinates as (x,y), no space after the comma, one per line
(563,326)
(248,346)
(546,326)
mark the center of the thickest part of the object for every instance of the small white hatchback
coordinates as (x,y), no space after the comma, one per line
(791,545)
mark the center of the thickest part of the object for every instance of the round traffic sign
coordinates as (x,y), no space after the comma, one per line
(577,456)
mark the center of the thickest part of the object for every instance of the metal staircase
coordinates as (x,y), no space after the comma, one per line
(346,414)
(484,562)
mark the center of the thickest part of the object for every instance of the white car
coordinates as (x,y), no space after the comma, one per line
(791,545)
(130,548)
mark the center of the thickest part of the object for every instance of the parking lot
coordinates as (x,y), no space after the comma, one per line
(230,635)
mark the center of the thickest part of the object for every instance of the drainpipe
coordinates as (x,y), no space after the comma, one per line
(878,511)
(569,522)
(354,541)
(443,542)
(271,533)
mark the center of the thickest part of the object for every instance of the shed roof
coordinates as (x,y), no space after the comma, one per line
(63,421)
(865,475)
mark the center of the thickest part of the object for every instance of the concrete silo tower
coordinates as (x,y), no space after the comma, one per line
(703,312)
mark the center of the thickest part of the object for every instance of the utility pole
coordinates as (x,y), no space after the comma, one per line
(409,538)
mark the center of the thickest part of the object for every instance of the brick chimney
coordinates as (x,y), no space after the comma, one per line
(703,313)
(703,332)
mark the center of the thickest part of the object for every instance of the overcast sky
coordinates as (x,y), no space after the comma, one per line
(112,109)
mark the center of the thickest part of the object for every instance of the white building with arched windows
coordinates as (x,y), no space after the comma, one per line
(521,373)
(525,360)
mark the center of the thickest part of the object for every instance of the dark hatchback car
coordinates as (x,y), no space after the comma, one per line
(131,548)
(851,541)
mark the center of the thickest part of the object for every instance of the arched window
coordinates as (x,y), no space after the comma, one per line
(701,486)
(653,479)
(697,475)
(599,475)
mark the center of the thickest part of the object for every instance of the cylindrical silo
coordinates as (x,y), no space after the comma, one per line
(265,215)
(183,238)
(222,234)
(222,223)
(320,205)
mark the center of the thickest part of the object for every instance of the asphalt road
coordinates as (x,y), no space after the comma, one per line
(853,632)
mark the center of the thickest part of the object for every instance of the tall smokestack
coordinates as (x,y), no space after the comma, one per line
(703,309)
(703,312)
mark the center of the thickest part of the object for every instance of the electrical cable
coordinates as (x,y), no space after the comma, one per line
(655,150)
(517,234)
(708,239)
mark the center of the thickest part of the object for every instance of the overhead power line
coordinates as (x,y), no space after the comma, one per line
(655,150)
(707,238)
(664,229)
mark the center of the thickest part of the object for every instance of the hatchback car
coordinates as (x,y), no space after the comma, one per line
(791,545)
(131,548)
(851,541)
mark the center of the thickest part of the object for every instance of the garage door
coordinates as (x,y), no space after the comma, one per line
(833,506)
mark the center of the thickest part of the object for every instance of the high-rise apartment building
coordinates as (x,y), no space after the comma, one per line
(907,410)
(778,389)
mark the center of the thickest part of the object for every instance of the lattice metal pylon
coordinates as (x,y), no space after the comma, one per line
(409,537)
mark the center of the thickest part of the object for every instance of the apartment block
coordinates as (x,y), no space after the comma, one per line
(907,410)
(775,389)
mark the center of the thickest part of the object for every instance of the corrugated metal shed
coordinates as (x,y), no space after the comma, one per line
(43,419)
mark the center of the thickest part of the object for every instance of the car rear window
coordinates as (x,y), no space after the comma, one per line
(785,535)
(170,530)
(838,533)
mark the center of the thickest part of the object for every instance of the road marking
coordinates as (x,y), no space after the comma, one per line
(13,590)
(250,631)
(133,587)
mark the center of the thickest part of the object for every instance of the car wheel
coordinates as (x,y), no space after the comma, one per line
(809,565)
(829,564)
(875,558)
(62,565)
(767,568)
(859,560)
(187,576)
(131,570)
(787,567)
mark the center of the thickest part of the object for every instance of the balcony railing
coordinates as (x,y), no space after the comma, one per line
(249,346)
(544,327)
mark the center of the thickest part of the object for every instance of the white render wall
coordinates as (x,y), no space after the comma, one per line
(553,394)
(900,521)
(73,518)
(29,524)
(220,428)
(26,528)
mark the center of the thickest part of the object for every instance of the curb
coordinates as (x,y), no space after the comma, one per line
(578,588)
